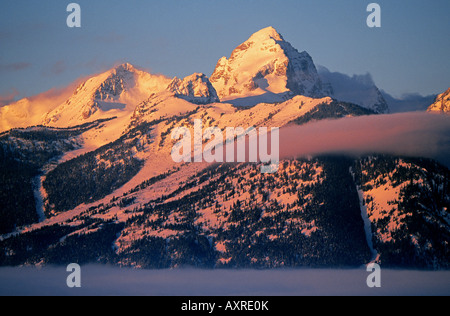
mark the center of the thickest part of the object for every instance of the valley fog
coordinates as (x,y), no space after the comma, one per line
(106,280)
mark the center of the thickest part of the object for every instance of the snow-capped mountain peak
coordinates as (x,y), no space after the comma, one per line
(266,33)
(125,67)
(195,88)
(266,68)
(442,103)
(115,92)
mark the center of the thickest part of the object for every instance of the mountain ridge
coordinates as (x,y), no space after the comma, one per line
(110,192)
(263,69)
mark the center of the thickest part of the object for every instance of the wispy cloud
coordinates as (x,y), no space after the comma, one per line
(59,67)
(55,96)
(11,67)
(8,97)
(55,69)
(35,106)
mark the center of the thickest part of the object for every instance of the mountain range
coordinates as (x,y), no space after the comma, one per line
(92,180)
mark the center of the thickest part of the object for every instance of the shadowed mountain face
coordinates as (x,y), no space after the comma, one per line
(408,102)
(358,89)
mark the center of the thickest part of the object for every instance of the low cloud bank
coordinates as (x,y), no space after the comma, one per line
(418,134)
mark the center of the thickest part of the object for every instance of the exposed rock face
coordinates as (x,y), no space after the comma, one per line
(195,88)
(442,103)
(267,65)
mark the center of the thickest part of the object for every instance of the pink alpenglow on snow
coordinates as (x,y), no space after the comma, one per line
(241,145)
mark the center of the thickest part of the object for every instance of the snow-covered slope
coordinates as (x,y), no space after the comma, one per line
(231,215)
(407,203)
(266,68)
(442,103)
(172,112)
(127,191)
(21,114)
(113,93)
(130,194)
(29,111)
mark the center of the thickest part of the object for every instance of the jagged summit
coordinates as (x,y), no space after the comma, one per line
(442,103)
(125,67)
(266,68)
(195,88)
(266,33)
(263,69)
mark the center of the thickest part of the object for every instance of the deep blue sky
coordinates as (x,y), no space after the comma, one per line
(409,53)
